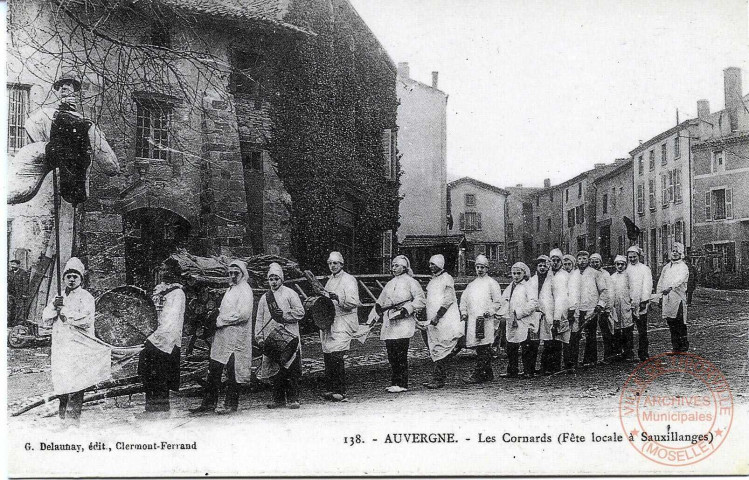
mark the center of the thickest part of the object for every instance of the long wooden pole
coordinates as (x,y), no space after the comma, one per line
(56,201)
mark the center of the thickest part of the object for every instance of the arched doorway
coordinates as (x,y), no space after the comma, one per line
(151,235)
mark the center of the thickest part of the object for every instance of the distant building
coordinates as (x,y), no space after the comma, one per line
(546,218)
(576,233)
(422,138)
(720,181)
(519,230)
(480,213)
(613,201)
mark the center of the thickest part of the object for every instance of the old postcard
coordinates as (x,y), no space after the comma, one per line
(391,238)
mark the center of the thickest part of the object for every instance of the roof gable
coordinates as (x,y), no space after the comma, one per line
(473,181)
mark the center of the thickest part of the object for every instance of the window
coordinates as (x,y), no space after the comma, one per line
(579,190)
(651,194)
(720,201)
(18,110)
(580,214)
(510,231)
(641,199)
(492,252)
(679,231)
(538,224)
(248,73)
(640,165)
(677,185)
(548,224)
(160,35)
(252,156)
(538,200)
(664,240)
(723,255)
(566,194)
(386,250)
(717,163)
(663,154)
(470,200)
(153,122)
(670,196)
(479,249)
(677,147)
(470,221)
(664,191)
(389,141)
(571,217)
(605,203)
(651,160)
(582,242)
(613,198)
(551,195)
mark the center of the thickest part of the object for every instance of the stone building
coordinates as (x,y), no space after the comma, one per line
(195,170)
(480,210)
(519,225)
(720,160)
(613,201)
(422,144)
(546,218)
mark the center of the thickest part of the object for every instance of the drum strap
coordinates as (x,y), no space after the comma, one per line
(271,301)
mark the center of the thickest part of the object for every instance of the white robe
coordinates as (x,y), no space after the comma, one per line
(482,295)
(234,331)
(405,292)
(588,289)
(171,318)
(674,275)
(293,311)
(640,285)
(520,307)
(79,359)
(443,337)
(608,301)
(346,322)
(621,309)
(545,317)
(560,293)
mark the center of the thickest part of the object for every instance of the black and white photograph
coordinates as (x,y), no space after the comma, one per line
(321,238)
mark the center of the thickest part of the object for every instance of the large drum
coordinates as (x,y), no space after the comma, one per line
(321,310)
(280,344)
(125,316)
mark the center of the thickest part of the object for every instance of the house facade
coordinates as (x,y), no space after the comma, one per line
(546,218)
(196,158)
(613,201)
(422,145)
(480,210)
(519,226)
(720,179)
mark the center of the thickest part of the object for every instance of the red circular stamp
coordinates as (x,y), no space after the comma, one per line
(676,409)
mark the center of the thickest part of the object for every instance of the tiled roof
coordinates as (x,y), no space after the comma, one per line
(431,240)
(478,183)
(271,11)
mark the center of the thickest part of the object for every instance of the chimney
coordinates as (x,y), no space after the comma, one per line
(403,70)
(547,182)
(519,185)
(435,78)
(703,109)
(599,165)
(732,90)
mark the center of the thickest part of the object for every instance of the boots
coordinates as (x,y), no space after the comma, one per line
(439,375)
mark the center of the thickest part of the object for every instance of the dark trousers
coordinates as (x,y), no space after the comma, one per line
(500,338)
(641,322)
(215,369)
(607,335)
(689,296)
(590,354)
(335,372)
(571,350)
(397,351)
(624,342)
(678,328)
(551,358)
(439,374)
(483,369)
(529,355)
(286,383)
(71,405)
(159,372)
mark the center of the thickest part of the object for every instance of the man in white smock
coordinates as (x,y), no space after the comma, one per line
(397,306)
(640,290)
(343,290)
(232,343)
(560,328)
(621,310)
(540,286)
(281,305)
(605,322)
(79,359)
(443,325)
(518,309)
(479,305)
(672,285)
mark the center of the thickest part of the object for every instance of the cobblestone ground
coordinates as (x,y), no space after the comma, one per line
(718,331)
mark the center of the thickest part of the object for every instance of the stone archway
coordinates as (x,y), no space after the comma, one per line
(151,235)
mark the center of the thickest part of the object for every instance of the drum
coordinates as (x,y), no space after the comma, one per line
(280,344)
(321,310)
(125,316)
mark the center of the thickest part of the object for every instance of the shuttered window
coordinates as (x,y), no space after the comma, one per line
(18,110)
(389,141)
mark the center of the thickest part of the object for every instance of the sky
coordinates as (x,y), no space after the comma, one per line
(547,88)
